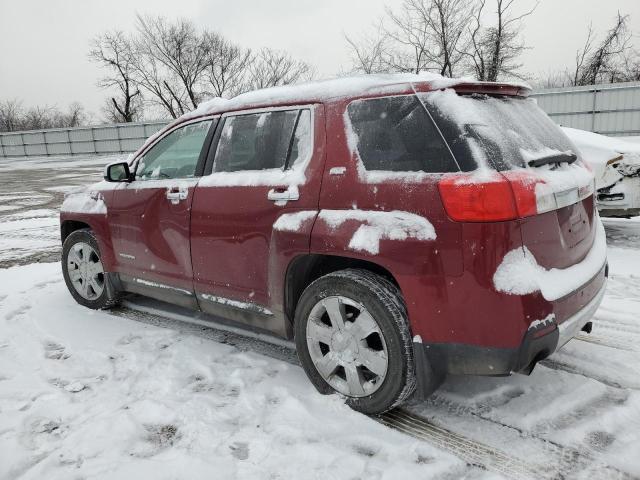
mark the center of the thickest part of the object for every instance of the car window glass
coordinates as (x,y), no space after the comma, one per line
(301,144)
(396,134)
(176,155)
(258,141)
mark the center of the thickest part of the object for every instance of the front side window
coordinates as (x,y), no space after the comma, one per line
(396,134)
(176,155)
(263,141)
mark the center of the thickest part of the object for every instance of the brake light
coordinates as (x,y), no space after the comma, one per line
(493,198)
(467,199)
(504,196)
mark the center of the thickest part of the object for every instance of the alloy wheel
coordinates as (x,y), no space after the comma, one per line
(85,271)
(347,346)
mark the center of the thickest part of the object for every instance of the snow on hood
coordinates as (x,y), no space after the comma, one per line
(599,150)
(520,274)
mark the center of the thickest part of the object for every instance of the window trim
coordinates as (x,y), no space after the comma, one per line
(213,147)
(214,119)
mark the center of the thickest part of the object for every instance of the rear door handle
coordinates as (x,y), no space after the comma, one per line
(175,194)
(283,194)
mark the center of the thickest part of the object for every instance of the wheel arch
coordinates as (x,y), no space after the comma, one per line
(304,269)
(67,227)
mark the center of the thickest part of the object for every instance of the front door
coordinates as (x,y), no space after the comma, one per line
(150,216)
(263,167)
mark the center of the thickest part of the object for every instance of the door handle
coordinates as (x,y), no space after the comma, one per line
(175,194)
(283,194)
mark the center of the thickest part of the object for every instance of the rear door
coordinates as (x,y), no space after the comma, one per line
(150,217)
(266,165)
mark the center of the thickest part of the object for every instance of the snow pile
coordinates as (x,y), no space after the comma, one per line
(89,394)
(376,226)
(84,202)
(292,222)
(520,274)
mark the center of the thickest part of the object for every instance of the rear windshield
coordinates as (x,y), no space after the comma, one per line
(495,131)
(396,134)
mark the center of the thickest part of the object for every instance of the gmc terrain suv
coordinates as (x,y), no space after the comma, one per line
(399,228)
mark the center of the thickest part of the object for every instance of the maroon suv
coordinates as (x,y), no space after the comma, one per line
(399,228)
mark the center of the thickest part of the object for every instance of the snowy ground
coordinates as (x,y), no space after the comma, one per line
(131,394)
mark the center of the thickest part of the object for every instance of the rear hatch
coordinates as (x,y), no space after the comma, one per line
(508,142)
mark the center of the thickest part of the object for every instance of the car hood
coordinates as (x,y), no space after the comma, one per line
(611,158)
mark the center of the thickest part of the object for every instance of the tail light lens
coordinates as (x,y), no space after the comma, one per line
(503,196)
(467,198)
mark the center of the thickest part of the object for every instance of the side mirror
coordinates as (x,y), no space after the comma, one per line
(117,172)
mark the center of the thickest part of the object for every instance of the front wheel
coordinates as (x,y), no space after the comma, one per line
(352,337)
(84,273)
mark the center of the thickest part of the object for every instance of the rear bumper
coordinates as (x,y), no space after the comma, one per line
(537,344)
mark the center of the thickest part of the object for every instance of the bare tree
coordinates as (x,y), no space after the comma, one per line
(369,52)
(172,60)
(629,69)
(494,50)
(432,34)
(598,63)
(10,115)
(410,34)
(13,117)
(114,51)
(271,68)
(227,65)
(176,64)
(74,116)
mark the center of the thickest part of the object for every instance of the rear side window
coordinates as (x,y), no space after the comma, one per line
(262,141)
(396,134)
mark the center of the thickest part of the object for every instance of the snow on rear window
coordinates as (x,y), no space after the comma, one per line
(497,132)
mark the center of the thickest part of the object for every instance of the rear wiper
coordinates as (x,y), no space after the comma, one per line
(559,157)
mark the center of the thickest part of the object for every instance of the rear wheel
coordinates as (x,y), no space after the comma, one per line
(353,338)
(84,273)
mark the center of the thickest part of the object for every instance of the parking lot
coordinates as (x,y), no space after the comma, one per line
(167,392)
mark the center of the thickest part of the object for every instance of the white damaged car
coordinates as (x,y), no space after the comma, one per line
(616,166)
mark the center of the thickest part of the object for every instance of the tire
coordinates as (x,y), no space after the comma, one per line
(74,250)
(356,292)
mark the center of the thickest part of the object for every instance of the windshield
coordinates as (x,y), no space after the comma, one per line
(497,132)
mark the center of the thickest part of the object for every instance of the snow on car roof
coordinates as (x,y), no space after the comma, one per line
(324,90)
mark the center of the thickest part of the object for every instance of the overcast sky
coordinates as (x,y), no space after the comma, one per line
(44,43)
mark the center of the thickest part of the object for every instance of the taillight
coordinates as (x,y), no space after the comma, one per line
(504,196)
(469,199)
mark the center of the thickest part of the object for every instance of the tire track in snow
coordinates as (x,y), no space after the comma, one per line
(568,460)
(607,342)
(471,451)
(575,370)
